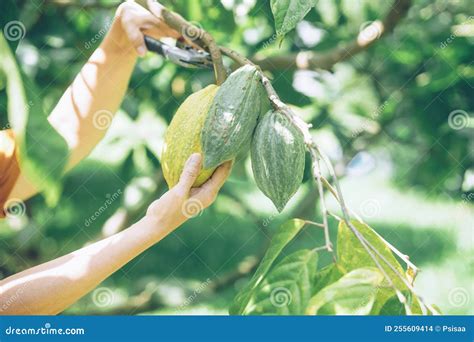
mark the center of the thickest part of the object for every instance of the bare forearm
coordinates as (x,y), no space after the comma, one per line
(51,287)
(87,107)
(84,111)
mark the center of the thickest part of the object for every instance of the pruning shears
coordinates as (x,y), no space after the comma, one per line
(182,54)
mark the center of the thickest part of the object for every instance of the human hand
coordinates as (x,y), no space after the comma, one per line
(136,21)
(182,201)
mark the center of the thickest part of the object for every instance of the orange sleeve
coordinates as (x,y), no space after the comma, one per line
(9,167)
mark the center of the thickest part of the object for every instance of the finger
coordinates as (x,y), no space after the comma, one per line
(149,20)
(155,7)
(161,30)
(190,172)
(136,38)
(165,31)
(218,177)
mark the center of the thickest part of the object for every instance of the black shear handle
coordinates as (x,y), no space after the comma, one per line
(154,45)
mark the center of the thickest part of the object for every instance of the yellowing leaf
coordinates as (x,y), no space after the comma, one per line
(352,255)
(353,294)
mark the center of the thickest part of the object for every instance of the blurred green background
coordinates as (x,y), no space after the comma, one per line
(396,120)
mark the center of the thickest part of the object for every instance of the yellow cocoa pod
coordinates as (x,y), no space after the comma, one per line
(183,136)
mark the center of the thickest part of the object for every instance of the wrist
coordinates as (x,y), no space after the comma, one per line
(117,40)
(157,228)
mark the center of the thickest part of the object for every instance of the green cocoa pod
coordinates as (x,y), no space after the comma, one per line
(232,117)
(183,136)
(278,158)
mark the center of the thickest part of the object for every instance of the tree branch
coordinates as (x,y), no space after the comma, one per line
(365,39)
(194,33)
(196,36)
(326,60)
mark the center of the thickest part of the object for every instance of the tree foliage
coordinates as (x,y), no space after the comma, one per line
(401,98)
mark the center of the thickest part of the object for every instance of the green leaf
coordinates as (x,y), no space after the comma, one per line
(287,288)
(353,294)
(352,255)
(285,233)
(288,13)
(43,151)
(393,307)
(326,276)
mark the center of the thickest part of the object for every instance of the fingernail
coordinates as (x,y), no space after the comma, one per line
(141,50)
(195,158)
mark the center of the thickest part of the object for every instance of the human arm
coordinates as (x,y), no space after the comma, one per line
(87,107)
(51,287)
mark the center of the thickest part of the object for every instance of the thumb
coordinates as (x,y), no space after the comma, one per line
(190,172)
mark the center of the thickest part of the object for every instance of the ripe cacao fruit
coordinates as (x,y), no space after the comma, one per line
(233,116)
(278,157)
(183,136)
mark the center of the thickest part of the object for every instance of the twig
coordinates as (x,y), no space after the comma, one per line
(315,152)
(198,36)
(317,174)
(178,23)
(367,245)
(316,224)
(402,256)
(322,248)
(347,220)
(309,60)
(423,306)
(235,56)
(330,188)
